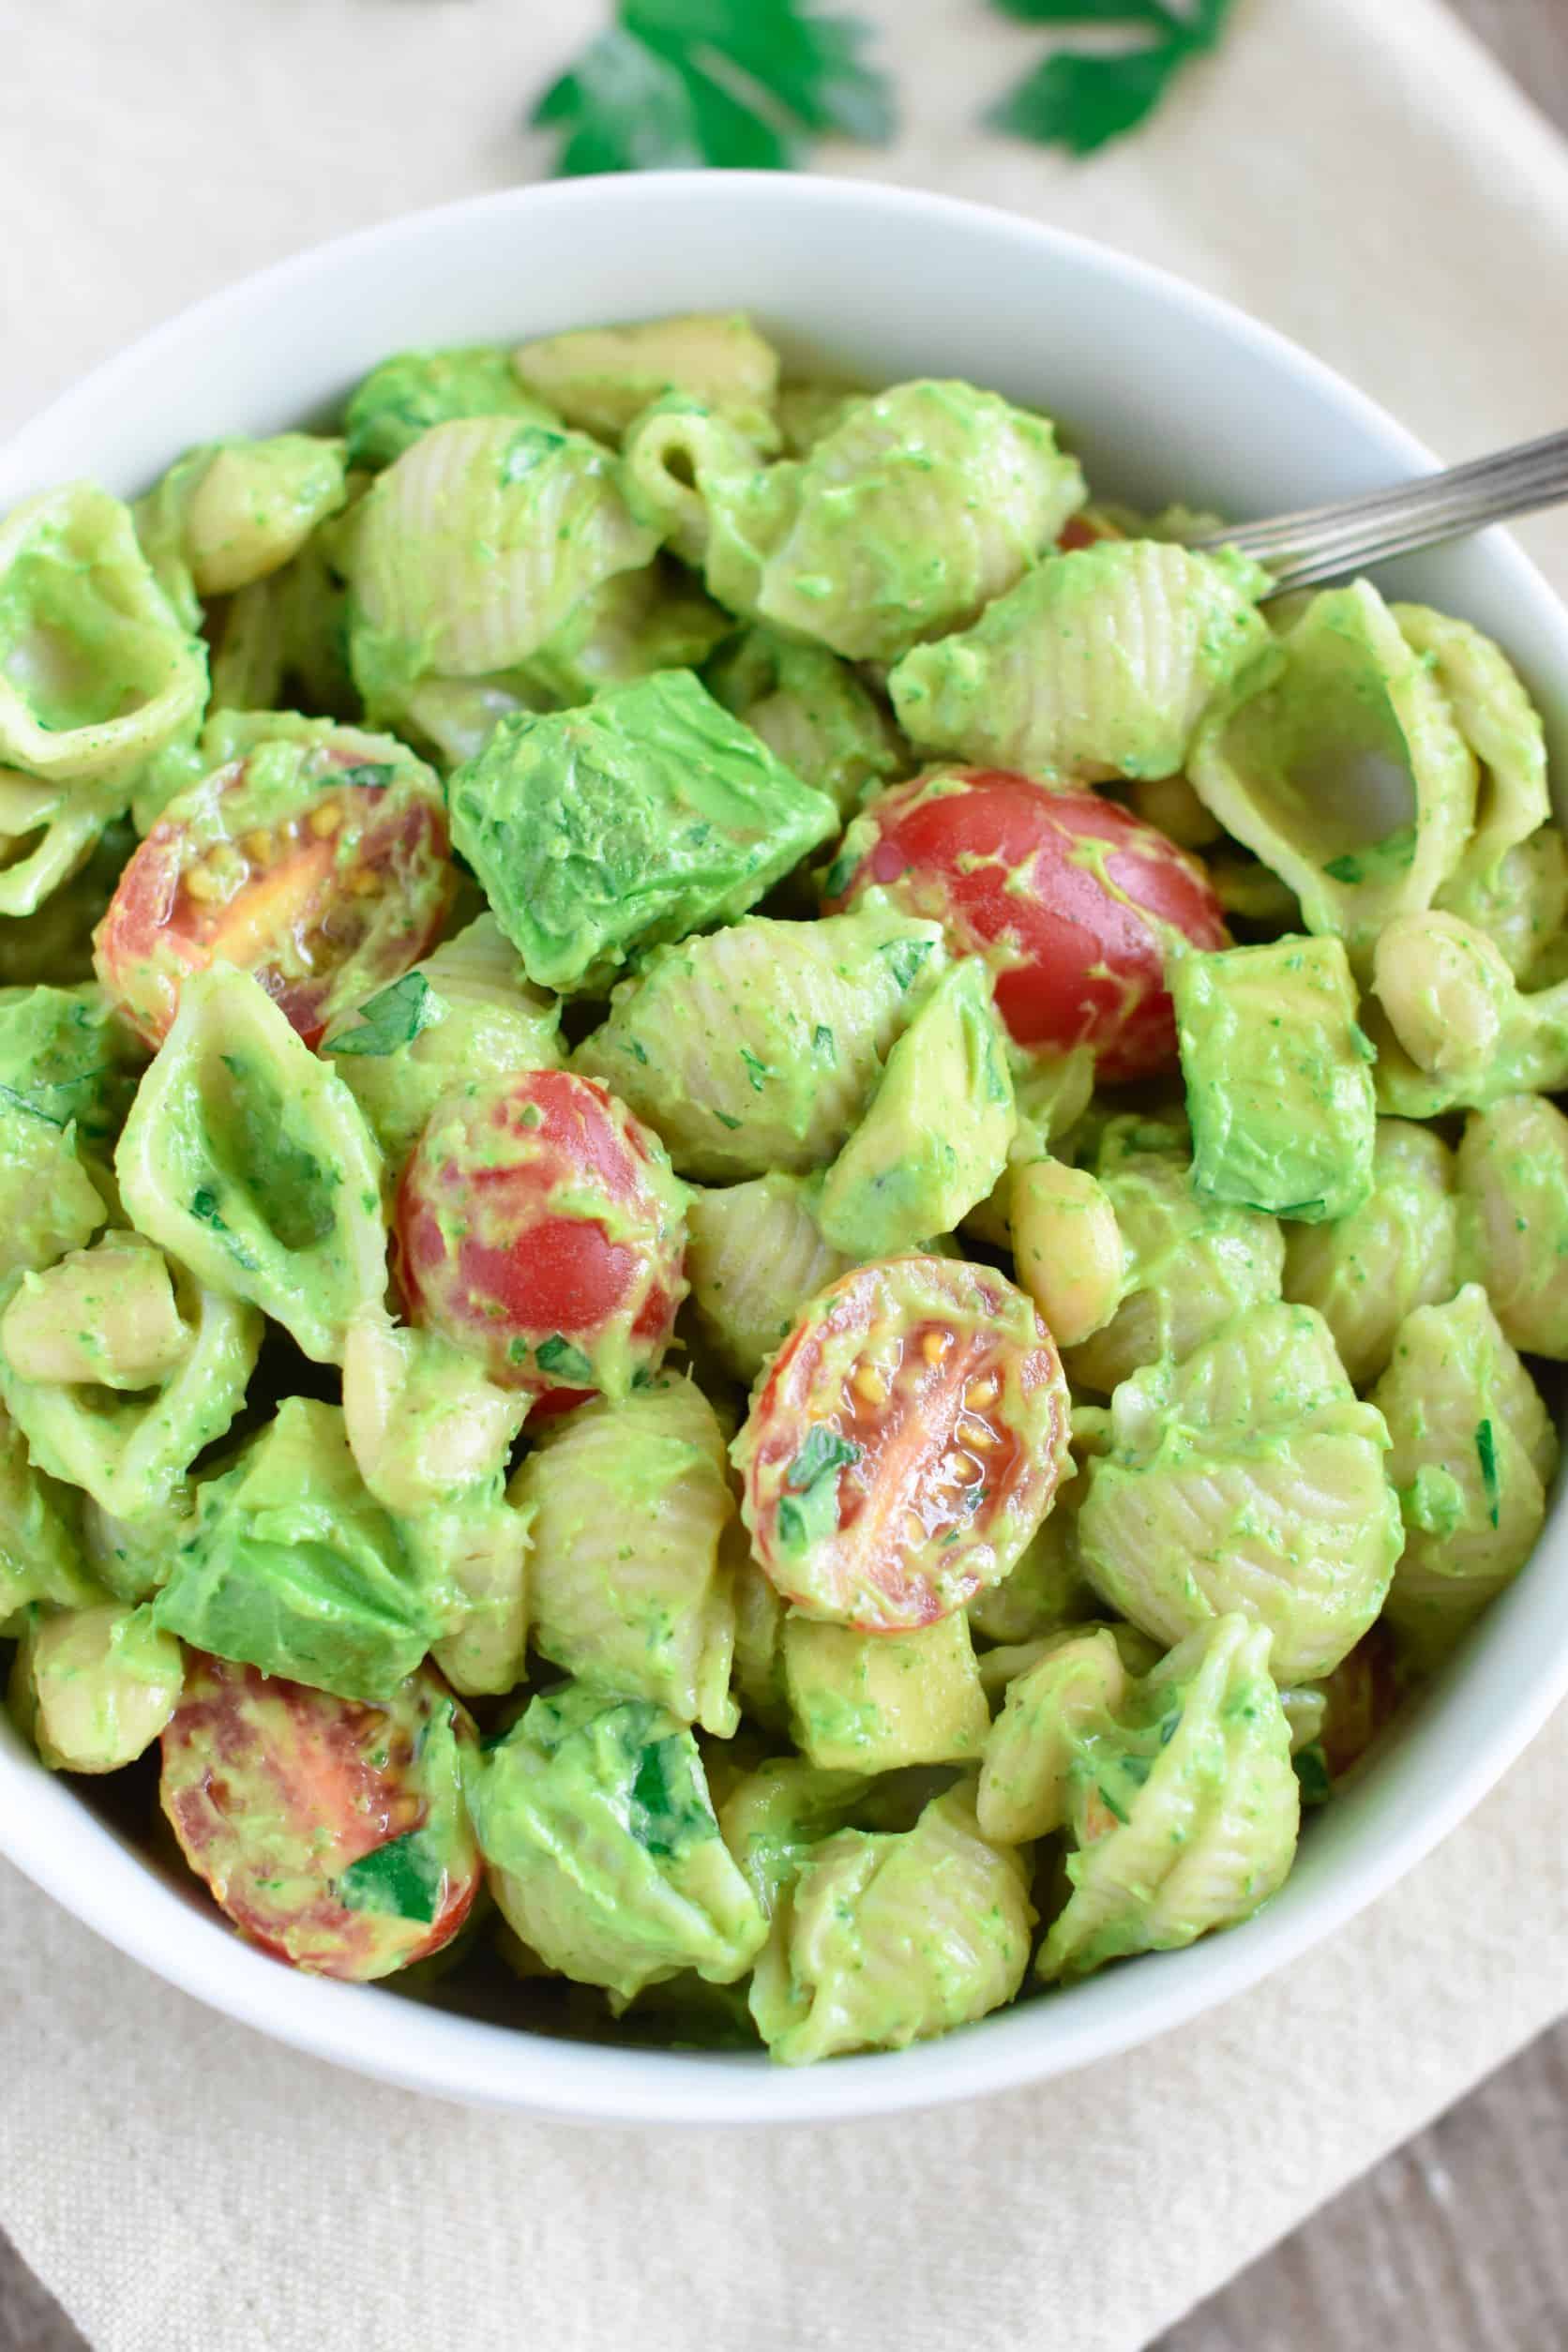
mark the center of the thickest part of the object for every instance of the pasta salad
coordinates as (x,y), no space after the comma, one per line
(771,1200)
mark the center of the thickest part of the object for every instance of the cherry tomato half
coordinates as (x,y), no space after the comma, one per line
(333,1833)
(1086,530)
(1068,897)
(325,885)
(540,1227)
(905,1445)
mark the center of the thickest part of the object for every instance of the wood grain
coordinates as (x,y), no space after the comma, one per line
(1457,2241)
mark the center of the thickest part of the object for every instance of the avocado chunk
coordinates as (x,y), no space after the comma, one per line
(415,390)
(1278,1077)
(49,1204)
(291,1567)
(872,1702)
(65,1056)
(935,1139)
(644,816)
(41,1556)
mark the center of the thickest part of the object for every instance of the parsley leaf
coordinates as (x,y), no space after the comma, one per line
(824,1450)
(1081,100)
(404,1877)
(567,1362)
(808,1507)
(369,775)
(668,1812)
(733,83)
(394,1017)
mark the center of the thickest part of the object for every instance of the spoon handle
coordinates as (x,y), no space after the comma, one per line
(1327,542)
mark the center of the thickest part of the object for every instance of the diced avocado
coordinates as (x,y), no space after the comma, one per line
(292,1568)
(646,815)
(1279,1077)
(65,1055)
(96,1685)
(48,1202)
(40,1559)
(415,390)
(871,1702)
(935,1139)
(603,1852)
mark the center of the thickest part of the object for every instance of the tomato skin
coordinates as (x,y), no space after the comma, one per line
(1086,530)
(538,1226)
(1065,894)
(275,1791)
(933,1397)
(325,893)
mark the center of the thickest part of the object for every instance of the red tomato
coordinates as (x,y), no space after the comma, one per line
(1086,530)
(326,888)
(333,1833)
(540,1226)
(1068,899)
(1364,1696)
(906,1443)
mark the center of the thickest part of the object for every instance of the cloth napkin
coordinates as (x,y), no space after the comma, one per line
(1366,179)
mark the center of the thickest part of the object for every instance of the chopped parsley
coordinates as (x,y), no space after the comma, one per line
(808,1507)
(567,1363)
(527,452)
(393,1018)
(369,776)
(403,1877)
(1487,1452)
(824,1450)
(668,1810)
(908,958)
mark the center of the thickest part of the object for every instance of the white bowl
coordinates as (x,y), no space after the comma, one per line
(1167,394)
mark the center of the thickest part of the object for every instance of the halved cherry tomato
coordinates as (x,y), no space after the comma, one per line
(1087,530)
(1071,900)
(905,1445)
(332,1832)
(326,889)
(540,1227)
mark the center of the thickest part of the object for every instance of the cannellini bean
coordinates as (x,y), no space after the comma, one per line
(1447,991)
(1068,1249)
(106,1315)
(1169,804)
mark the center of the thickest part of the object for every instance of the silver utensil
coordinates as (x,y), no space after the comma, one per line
(1323,543)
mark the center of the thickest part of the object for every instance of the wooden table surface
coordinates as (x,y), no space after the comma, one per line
(1455,2243)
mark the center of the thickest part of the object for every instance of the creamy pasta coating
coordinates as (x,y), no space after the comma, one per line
(776,1204)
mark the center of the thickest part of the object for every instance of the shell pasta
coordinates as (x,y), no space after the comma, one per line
(777,1205)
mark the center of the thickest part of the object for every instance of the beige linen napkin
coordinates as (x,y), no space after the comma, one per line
(1366,179)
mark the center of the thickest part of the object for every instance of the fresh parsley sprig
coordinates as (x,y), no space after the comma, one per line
(734,83)
(1080,98)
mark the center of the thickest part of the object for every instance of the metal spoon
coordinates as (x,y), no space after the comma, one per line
(1327,542)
